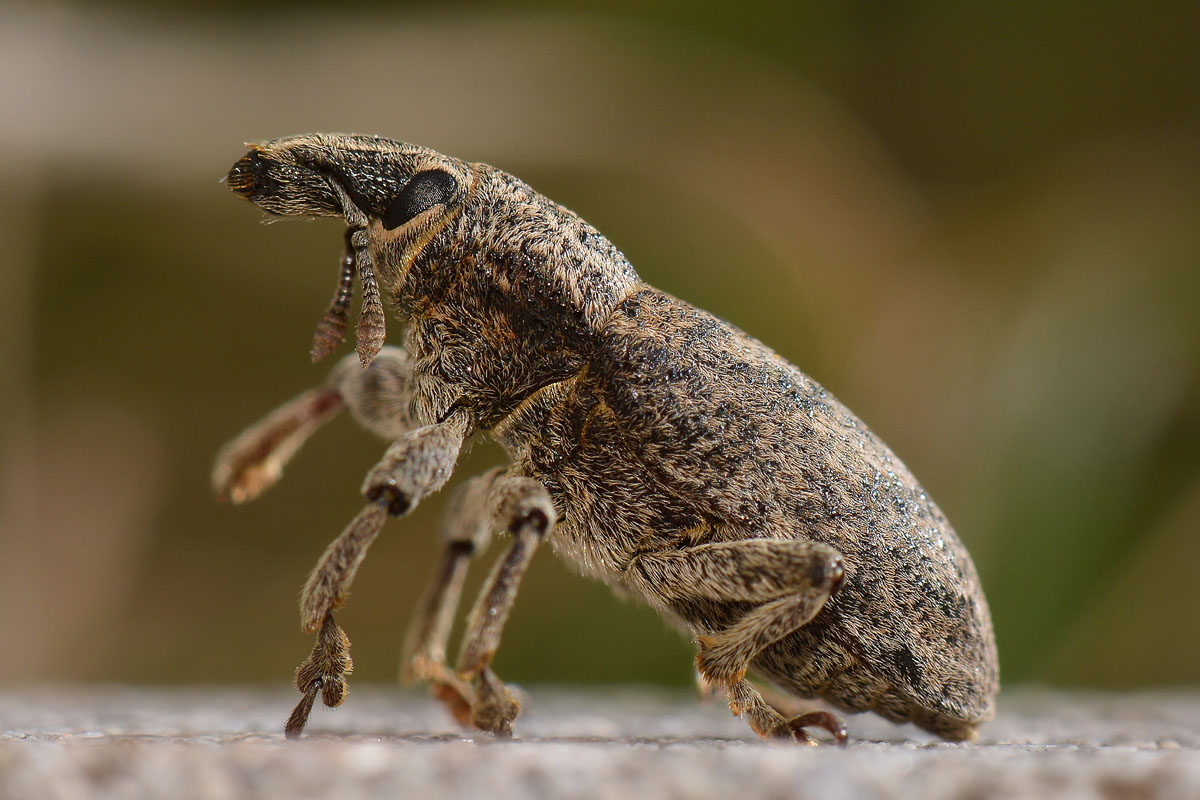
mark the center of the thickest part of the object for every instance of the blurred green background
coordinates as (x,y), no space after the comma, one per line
(977,224)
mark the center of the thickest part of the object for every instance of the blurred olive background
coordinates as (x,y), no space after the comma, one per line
(977,224)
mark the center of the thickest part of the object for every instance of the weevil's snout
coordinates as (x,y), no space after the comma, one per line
(274,179)
(246,176)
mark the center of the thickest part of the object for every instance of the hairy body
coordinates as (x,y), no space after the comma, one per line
(655,446)
(676,398)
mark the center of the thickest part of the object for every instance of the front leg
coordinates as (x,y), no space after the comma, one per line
(417,464)
(378,397)
(523,507)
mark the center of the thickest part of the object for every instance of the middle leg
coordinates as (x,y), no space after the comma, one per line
(465,531)
(523,507)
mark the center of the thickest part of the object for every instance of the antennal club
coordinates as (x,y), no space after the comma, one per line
(372,328)
(331,330)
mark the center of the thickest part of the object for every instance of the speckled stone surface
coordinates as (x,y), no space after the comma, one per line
(77,742)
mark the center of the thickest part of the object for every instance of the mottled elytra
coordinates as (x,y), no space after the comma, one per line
(656,447)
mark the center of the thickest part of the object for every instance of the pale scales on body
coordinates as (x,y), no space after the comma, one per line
(657,447)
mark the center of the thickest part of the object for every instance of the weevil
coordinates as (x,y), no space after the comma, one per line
(656,447)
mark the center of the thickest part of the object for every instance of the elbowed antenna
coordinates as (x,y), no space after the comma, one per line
(371,331)
(331,330)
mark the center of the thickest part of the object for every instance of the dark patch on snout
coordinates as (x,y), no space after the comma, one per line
(250,177)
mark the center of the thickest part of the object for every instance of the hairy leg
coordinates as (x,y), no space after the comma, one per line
(746,701)
(421,459)
(377,397)
(787,580)
(522,507)
(253,462)
(418,463)
(465,530)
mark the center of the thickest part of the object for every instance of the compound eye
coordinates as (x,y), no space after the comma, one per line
(422,192)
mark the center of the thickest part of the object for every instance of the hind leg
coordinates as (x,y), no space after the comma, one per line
(787,581)
(746,701)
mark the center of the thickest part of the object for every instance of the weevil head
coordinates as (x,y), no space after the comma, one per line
(389,193)
(504,283)
(364,178)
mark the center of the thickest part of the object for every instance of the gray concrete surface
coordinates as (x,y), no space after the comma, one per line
(79,742)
